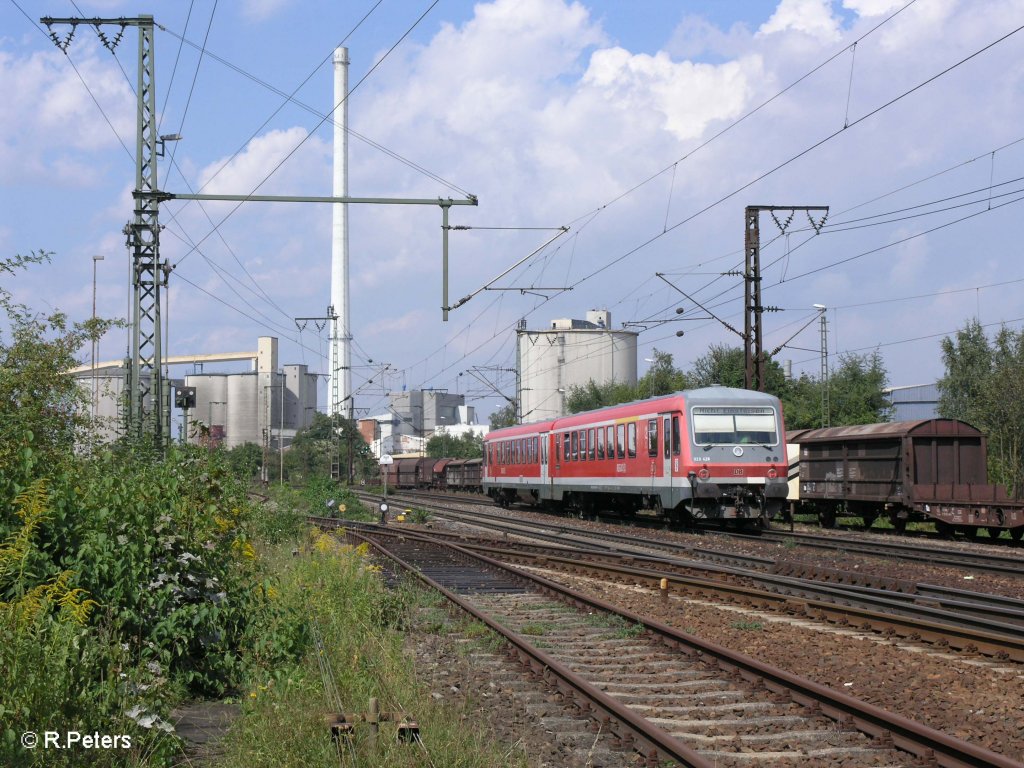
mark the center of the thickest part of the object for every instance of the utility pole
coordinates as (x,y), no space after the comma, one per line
(825,405)
(753,339)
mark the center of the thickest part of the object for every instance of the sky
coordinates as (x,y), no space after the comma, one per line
(645,128)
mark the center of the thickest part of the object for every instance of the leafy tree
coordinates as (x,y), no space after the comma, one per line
(244,460)
(310,453)
(593,395)
(857,387)
(968,361)
(469,445)
(662,378)
(43,412)
(984,386)
(504,417)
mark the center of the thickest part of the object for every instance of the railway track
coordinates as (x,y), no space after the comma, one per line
(667,694)
(973,622)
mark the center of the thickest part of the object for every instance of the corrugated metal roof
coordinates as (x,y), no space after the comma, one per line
(889,429)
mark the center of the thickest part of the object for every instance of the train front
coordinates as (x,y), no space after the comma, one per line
(737,463)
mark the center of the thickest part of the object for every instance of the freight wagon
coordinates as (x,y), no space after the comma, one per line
(932,469)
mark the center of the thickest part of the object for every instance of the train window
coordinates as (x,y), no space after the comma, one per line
(736,424)
(675,435)
(565,447)
(611,442)
(558,450)
(533,450)
(631,441)
(591,448)
(620,441)
(600,443)
(666,436)
(652,437)
(575,445)
(583,445)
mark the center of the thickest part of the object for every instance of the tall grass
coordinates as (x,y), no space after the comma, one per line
(358,651)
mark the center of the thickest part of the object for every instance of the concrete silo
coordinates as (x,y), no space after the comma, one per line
(569,354)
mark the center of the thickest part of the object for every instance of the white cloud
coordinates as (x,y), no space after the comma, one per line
(261,10)
(52,124)
(873,7)
(689,96)
(811,17)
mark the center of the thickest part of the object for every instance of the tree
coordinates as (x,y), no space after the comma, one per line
(43,411)
(504,417)
(662,378)
(593,395)
(311,450)
(984,386)
(244,460)
(968,361)
(468,445)
(857,390)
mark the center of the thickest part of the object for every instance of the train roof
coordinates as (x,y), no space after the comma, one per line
(704,396)
(887,431)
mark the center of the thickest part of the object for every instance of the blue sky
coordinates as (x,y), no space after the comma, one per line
(592,115)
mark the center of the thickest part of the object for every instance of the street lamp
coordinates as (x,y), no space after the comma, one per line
(824,365)
(95,342)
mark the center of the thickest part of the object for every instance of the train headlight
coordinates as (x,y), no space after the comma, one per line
(704,473)
(772,473)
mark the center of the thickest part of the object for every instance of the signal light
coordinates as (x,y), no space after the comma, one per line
(703,474)
(772,473)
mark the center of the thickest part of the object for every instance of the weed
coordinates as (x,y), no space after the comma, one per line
(535,628)
(748,626)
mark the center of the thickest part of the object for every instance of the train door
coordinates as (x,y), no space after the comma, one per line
(666,453)
(543,460)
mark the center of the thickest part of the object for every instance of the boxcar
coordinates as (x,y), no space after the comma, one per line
(908,470)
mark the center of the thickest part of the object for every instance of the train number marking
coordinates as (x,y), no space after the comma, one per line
(620,468)
(739,471)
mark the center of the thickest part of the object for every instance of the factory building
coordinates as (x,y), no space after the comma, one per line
(915,401)
(266,406)
(569,354)
(413,417)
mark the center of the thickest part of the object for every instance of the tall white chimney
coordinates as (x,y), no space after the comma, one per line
(340,373)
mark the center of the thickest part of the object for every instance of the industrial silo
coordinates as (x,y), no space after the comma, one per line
(243,423)
(569,354)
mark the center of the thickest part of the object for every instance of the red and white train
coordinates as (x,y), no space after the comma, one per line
(715,454)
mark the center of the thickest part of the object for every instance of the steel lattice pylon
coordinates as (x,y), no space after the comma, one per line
(147,412)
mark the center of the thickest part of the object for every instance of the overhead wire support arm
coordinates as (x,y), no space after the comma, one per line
(688,296)
(444,203)
(487,286)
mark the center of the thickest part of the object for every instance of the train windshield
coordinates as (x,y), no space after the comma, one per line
(734,425)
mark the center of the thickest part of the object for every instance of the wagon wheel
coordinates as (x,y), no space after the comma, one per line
(827,517)
(1017,533)
(995,532)
(945,529)
(970,531)
(869,518)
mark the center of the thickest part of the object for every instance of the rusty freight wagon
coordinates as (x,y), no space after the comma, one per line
(932,469)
